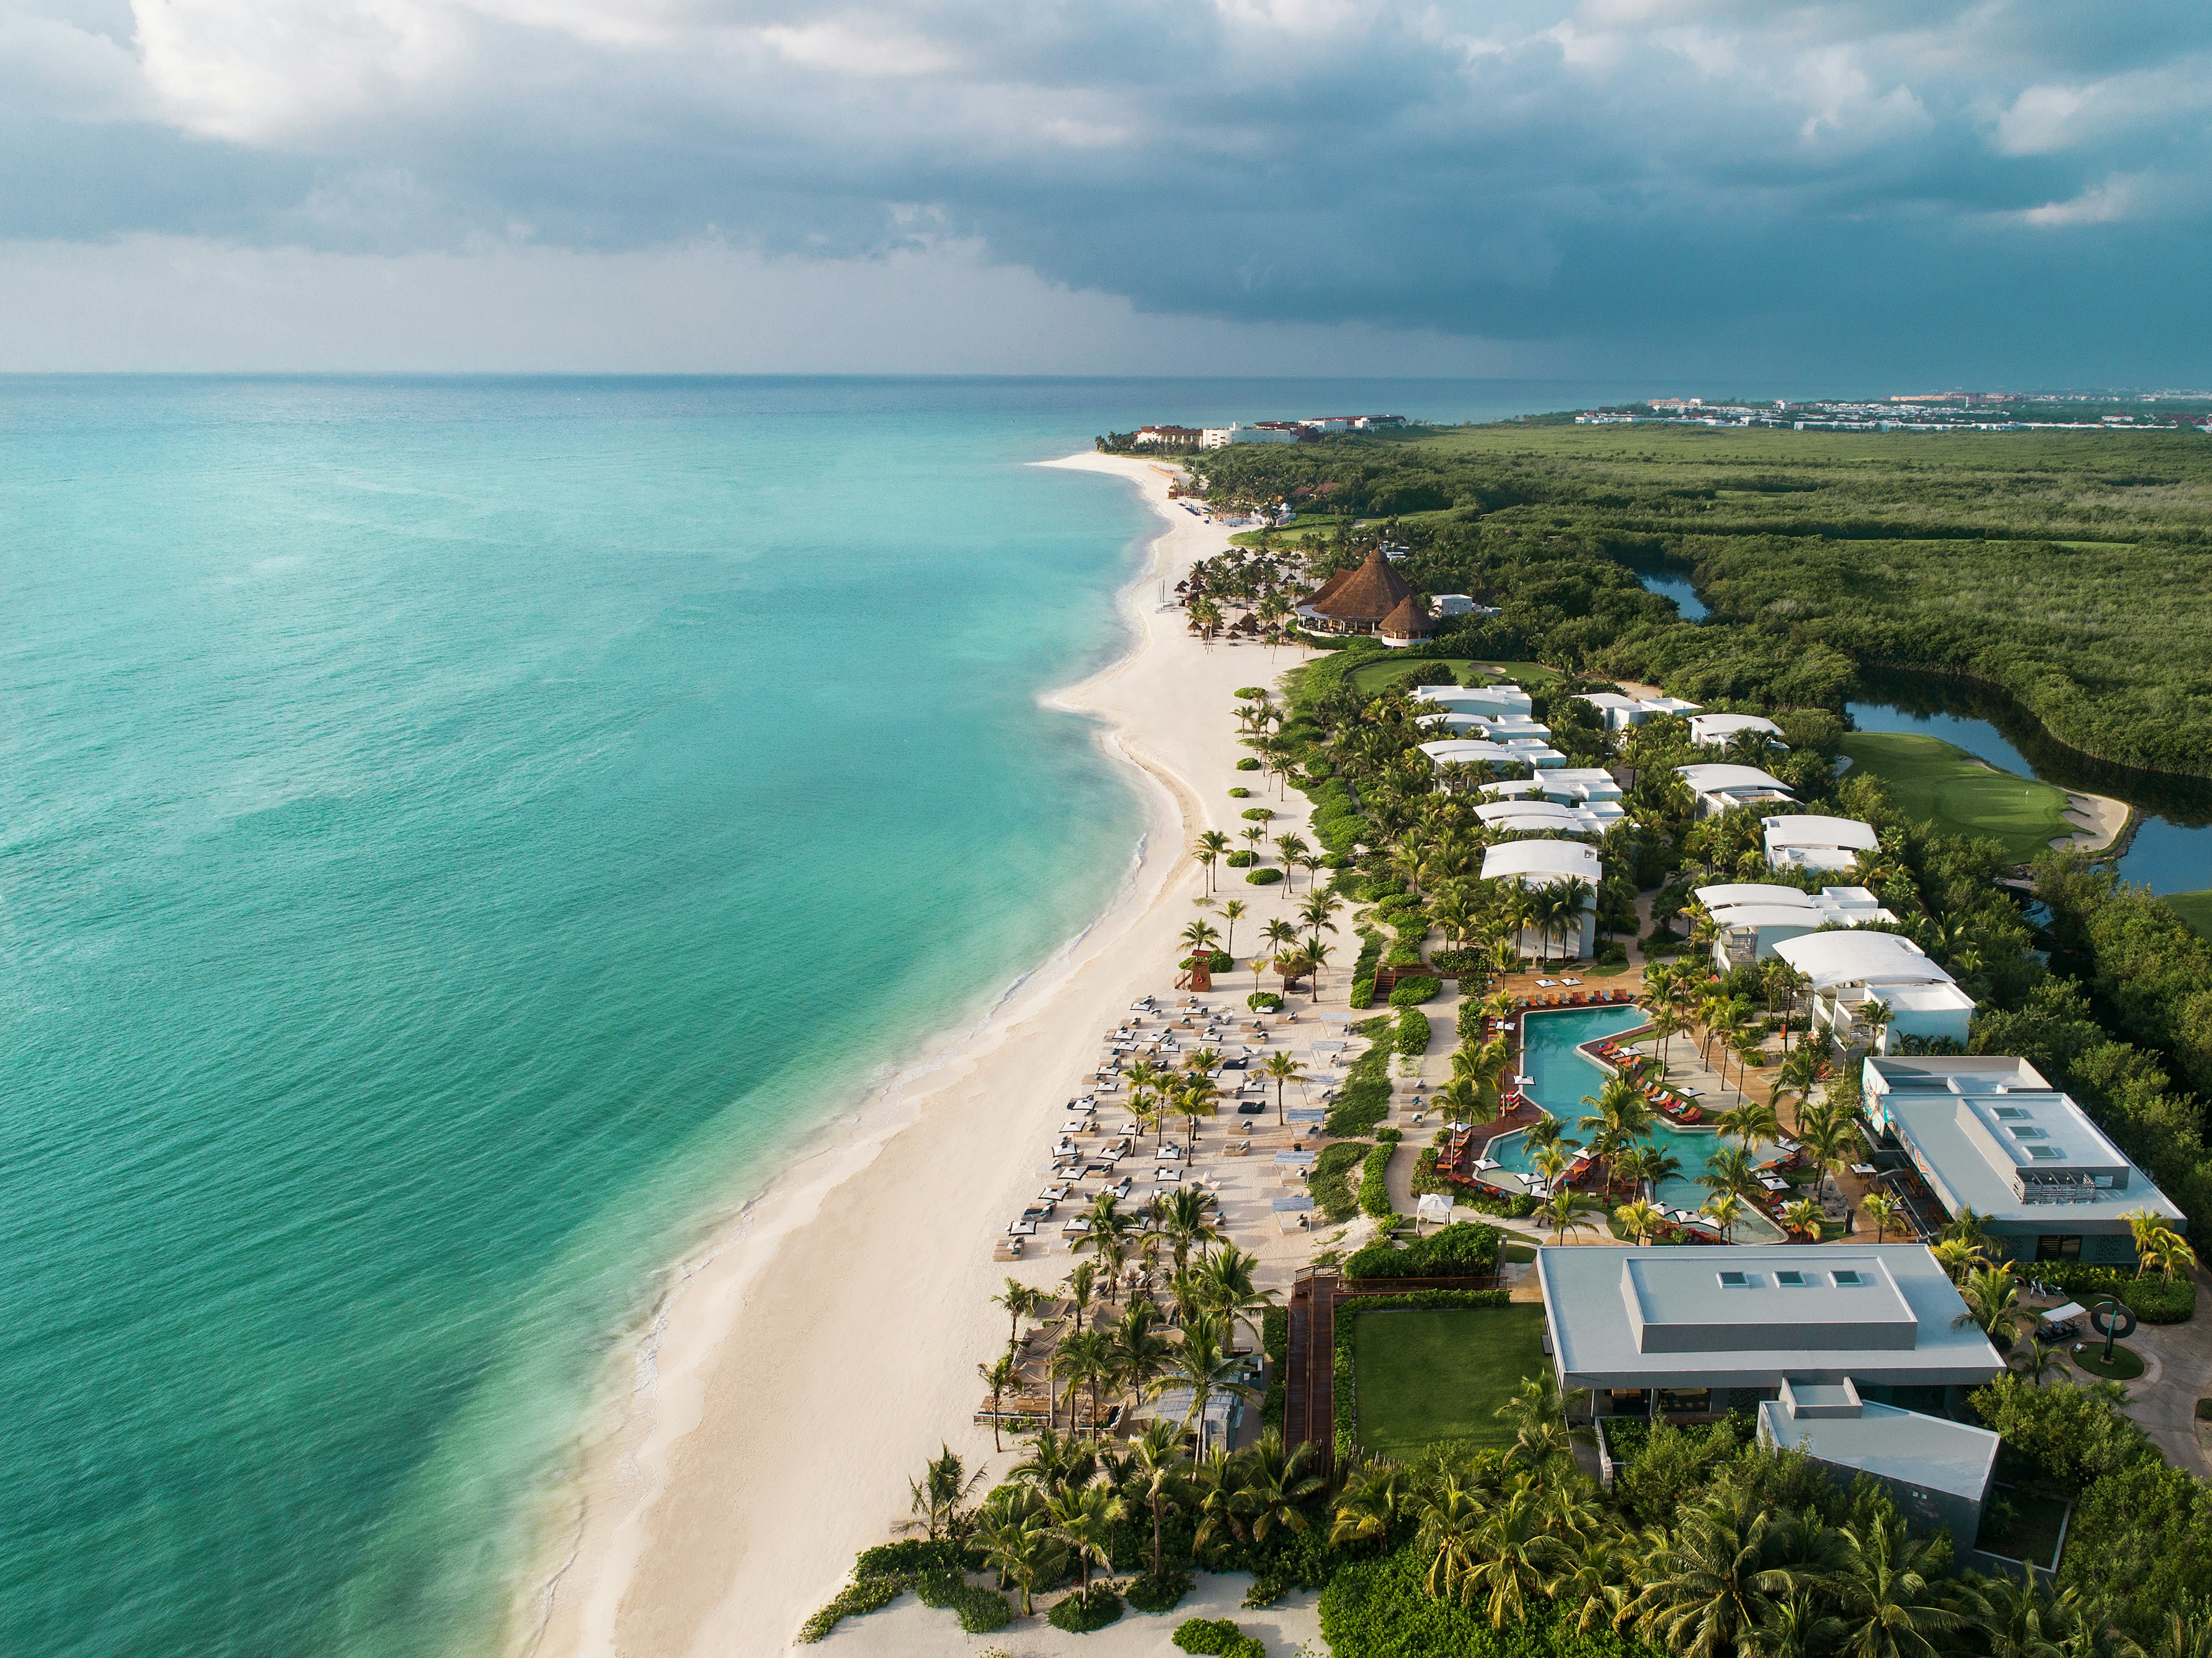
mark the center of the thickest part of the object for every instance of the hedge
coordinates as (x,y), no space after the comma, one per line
(1363,970)
(1461,1249)
(1264,878)
(1240,793)
(1079,1614)
(1462,963)
(1247,763)
(1411,991)
(1382,1609)
(981,1610)
(936,1571)
(1275,1342)
(2149,1298)
(1365,1100)
(1244,858)
(1158,1594)
(1264,1001)
(1374,1192)
(1216,960)
(1330,1182)
(1412,1033)
(1469,1024)
(1259,814)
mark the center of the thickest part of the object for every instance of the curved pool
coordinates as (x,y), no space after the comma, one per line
(1562,1076)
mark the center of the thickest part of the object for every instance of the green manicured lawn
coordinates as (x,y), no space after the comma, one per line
(1930,778)
(2126,1363)
(1425,1375)
(2194,907)
(1372,678)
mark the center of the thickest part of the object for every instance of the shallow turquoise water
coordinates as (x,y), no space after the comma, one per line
(454,834)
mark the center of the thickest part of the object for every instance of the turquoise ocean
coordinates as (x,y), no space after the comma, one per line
(456,837)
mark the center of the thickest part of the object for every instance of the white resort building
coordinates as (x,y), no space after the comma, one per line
(1620,712)
(1721,787)
(1750,918)
(1540,863)
(1489,701)
(1823,845)
(1526,817)
(1712,731)
(1849,970)
(1993,1135)
(1461,751)
(1832,1343)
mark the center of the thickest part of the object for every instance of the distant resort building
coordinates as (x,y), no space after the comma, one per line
(1540,863)
(1721,788)
(1533,752)
(1620,712)
(1524,815)
(1713,730)
(1850,971)
(1169,433)
(1750,918)
(1220,437)
(1991,1135)
(1357,601)
(1489,701)
(1818,843)
(1461,604)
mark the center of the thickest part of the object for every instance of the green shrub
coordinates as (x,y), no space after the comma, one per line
(1365,1099)
(1264,878)
(1611,953)
(1462,963)
(1413,1031)
(1240,793)
(2149,1298)
(1264,1001)
(1410,993)
(1468,1025)
(1374,1189)
(1247,763)
(981,1610)
(1463,1249)
(1158,1595)
(1259,814)
(1330,1182)
(1275,1343)
(914,1555)
(1217,1637)
(1244,858)
(1079,1613)
(856,1600)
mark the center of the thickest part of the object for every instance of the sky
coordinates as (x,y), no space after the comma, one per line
(1739,195)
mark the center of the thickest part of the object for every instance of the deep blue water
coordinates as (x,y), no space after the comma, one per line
(455,836)
(1681,591)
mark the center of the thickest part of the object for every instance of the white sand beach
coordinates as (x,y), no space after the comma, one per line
(806,1366)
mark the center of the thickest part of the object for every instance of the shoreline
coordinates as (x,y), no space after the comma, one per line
(799,1364)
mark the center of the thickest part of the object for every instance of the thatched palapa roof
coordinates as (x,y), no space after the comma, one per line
(1369,593)
(1407,621)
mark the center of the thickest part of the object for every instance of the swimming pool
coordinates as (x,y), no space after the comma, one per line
(1562,1076)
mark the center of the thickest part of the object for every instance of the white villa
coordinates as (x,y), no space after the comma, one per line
(1750,918)
(1831,1342)
(1621,711)
(1540,863)
(1848,970)
(1493,727)
(1712,731)
(1489,700)
(1579,785)
(1813,843)
(1462,605)
(1532,752)
(1526,817)
(1991,1134)
(1721,787)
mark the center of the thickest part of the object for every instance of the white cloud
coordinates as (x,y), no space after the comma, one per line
(842,48)
(2099,204)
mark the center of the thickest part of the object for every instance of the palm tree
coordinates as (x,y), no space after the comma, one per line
(1515,1553)
(1750,1123)
(1279,1068)
(1204,858)
(1082,1361)
(1196,1100)
(1725,1210)
(939,1495)
(1083,1518)
(1140,1349)
(1648,1166)
(1992,1299)
(1640,1220)
(1565,1210)
(1080,1281)
(1018,1543)
(1826,1139)
(1665,1023)
(1212,845)
(1894,1593)
(1619,1117)
(1185,1217)
(1202,1365)
(1146,1083)
(1884,1209)
(1020,1301)
(1163,1478)
(998,1375)
(1452,1523)
(1799,1071)
(1232,912)
(1200,936)
(1713,1580)
(2157,1244)
(1729,1171)
(2038,1359)
(1375,1492)
(1276,1485)
(1802,1215)
(1230,1290)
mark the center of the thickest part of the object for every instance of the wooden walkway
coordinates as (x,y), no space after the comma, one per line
(1309,1365)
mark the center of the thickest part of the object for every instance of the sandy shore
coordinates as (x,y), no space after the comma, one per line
(807,1364)
(2103,820)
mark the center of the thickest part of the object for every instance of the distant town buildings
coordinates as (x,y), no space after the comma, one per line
(1292,431)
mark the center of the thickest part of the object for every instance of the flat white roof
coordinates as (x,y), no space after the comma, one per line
(1857,956)
(1638,1318)
(1811,829)
(1551,859)
(1708,779)
(1526,786)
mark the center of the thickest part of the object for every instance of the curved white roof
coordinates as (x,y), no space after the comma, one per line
(1504,697)
(1703,727)
(1467,750)
(1730,893)
(1767,915)
(1857,956)
(1508,790)
(1813,831)
(1498,809)
(1720,776)
(1549,860)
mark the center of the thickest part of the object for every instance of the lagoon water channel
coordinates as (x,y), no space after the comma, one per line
(2171,849)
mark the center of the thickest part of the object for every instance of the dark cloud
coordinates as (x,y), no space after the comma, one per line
(1802,185)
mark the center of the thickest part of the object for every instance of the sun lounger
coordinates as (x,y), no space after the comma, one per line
(1021,1229)
(1166,1176)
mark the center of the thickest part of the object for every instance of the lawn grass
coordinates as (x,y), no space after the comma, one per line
(2127,1364)
(1930,778)
(1429,1376)
(2194,907)
(1369,679)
